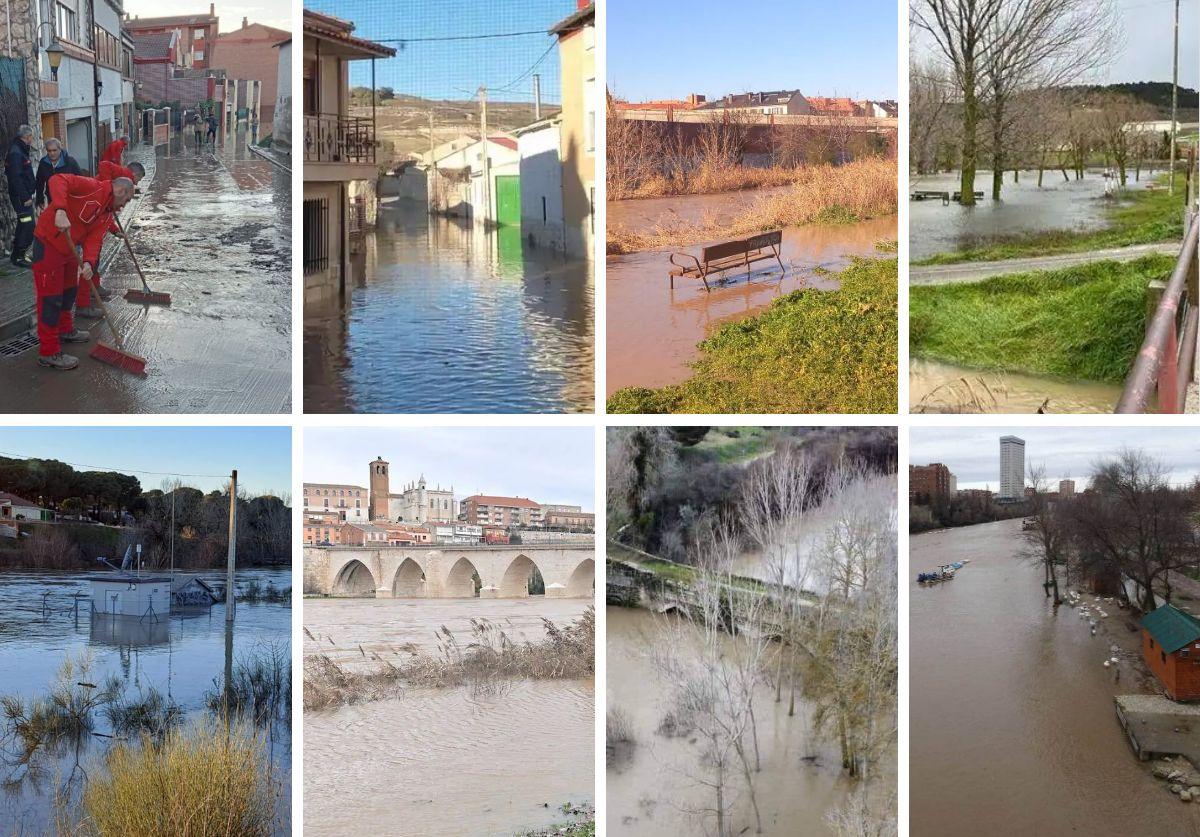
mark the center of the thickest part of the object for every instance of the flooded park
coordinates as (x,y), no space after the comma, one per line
(491,758)
(654,329)
(1012,721)
(441,315)
(1025,208)
(170,666)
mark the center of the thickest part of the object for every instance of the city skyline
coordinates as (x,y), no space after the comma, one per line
(971,454)
(547,465)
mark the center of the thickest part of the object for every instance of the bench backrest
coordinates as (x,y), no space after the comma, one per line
(745,245)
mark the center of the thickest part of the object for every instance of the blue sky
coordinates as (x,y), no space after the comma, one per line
(456,69)
(548,465)
(261,455)
(670,48)
(973,453)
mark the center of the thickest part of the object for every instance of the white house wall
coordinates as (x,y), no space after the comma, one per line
(541,185)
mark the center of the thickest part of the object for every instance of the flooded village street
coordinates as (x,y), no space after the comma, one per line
(443,762)
(182,656)
(442,315)
(654,329)
(1013,726)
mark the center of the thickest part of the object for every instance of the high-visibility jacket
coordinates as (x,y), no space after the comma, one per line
(89,206)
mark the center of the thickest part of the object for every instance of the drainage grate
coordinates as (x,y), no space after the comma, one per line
(19,345)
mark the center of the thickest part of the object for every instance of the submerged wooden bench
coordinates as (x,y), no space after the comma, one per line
(721,257)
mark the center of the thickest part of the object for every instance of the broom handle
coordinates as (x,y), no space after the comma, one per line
(129,247)
(96,293)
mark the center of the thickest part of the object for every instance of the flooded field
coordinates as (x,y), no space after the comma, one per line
(444,317)
(1057,205)
(444,762)
(183,657)
(650,791)
(1013,728)
(937,387)
(653,329)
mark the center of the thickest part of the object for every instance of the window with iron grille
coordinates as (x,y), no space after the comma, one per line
(316,235)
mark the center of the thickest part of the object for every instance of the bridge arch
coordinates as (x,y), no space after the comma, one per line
(409,581)
(582,583)
(462,582)
(354,579)
(514,584)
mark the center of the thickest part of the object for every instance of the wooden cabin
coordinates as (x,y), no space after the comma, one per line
(1171,648)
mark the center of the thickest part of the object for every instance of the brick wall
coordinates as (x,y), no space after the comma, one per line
(247,54)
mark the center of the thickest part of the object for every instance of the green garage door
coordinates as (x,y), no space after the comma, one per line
(508,199)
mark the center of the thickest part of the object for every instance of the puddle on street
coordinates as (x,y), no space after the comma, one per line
(1013,727)
(444,317)
(937,388)
(653,329)
(651,786)
(444,762)
(183,657)
(1024,208)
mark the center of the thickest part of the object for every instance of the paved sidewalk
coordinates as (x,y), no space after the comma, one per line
(947,274)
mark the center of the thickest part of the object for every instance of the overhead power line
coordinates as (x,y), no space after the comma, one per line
(26,457)
(444,38)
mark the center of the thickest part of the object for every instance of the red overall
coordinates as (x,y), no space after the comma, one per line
(113,153)
(88,204)
(108,172)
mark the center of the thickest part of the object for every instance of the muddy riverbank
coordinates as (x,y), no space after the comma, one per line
(444,762)
(938,388)
(653,329)
(1012,723)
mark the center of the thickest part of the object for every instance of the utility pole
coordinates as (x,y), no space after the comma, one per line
(231,563)
(1174,98)
(487,167)
(537,96)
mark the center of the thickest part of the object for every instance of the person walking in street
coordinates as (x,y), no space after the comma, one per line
(198,129)
(22,184)
(254,129)
(110,173)
(77,217)
(56,161)
(212,130)
(115,153)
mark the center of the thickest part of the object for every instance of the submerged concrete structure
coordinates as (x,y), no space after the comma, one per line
(449,571)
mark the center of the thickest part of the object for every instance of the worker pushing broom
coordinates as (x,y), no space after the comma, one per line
(79,214)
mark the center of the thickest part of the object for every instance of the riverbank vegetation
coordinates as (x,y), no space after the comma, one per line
(1132,523)
(826,194)
(1145,216)
(820,639)
(809,352)
(1082,323)
(485,662)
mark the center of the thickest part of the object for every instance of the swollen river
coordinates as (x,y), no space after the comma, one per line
(444,762)
(1013,728)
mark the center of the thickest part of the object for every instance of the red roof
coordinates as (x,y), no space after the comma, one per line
(5,497)
(507,142)
(336,29)
(822,104)
(489,500)
(657,104)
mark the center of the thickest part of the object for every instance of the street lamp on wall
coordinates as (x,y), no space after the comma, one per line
(54,52)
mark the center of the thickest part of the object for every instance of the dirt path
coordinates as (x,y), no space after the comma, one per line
(949,274)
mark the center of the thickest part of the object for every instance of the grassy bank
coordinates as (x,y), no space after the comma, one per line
(857,191)
(489,659)
(709,180)
(809,352)
(1143,217)
(1083,322)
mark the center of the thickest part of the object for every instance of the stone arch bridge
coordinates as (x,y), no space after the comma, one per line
(447,571)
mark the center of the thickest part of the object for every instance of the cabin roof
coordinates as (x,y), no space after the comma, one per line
(1171,627)
(121,578)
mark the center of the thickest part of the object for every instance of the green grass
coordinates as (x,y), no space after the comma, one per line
(731,444)
(809,352)
(1084,322)
(1144,217)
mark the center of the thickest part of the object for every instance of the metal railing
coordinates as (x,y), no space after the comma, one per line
(1167,359)
(329,138)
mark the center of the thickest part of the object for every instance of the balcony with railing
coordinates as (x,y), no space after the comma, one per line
(329,138)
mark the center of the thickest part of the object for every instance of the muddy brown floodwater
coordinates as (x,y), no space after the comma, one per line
(214,231)
(444,762)
(937,388)
(651,792)
(653,329)
(1012,724)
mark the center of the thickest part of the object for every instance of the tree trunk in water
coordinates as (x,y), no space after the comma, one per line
(970,125)
(997,154)
(750,787)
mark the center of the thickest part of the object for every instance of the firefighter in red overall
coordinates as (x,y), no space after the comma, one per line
(115,150)
(77,217)
(108,172)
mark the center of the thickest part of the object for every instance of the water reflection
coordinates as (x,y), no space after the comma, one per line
(1025,208)
(441,316)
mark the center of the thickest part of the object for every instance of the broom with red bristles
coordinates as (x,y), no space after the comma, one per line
(105,352)
(146,295)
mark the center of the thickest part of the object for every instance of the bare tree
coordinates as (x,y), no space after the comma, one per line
(931,100)
(1046,535)
(1117,115)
